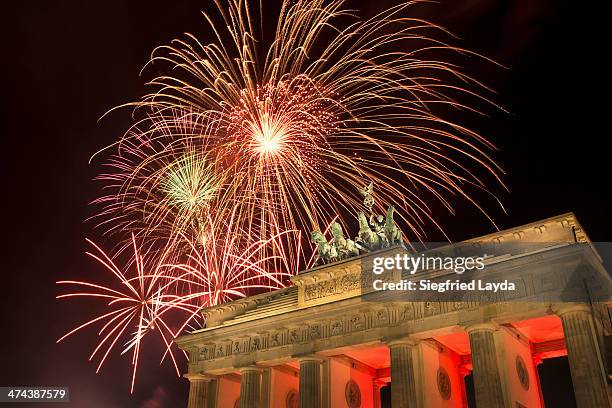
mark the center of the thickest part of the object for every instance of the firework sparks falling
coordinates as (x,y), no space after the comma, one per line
(139,303)
(217,273)
(296,127)
(189,184)
(243,144)
(165,298)
(156,188)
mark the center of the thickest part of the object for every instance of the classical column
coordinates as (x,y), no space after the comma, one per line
(487,381)
(403,388)
(250,384)
(326,383)
(585,362)
(264,390)
(199,391)
(310,383)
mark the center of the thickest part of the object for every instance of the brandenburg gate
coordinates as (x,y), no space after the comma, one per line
(332,340)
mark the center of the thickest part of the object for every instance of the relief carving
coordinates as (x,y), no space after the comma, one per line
(382,316)
(444,384)
(274,340)
(315,332)
(356,322)
(521,372)
(343,284)
(294,336)
(336,328)
(352,394)
(408,312)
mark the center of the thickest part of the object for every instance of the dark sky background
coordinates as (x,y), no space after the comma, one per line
(66,62)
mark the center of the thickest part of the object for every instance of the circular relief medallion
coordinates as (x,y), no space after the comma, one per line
(522,373)
(291,400)
(444,384)
(352,393)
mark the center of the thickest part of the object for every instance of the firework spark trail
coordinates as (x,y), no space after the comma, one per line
(166,297)
(224,266)
(155,187)
(243,144)
(292,130)
(139,302)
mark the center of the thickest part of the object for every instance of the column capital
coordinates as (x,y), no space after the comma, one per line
(310,357)
(200,394)
(247,369)
(562,308)
(483,326)
(402,341)
(192,377)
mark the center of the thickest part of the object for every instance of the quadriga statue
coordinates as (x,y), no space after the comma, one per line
(325,251)
(366,236)
(394,235)
(346,248)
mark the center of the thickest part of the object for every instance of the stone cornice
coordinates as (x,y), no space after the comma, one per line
(216,315)
(575,307)
(560,228)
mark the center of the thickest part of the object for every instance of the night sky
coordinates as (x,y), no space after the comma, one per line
(65,63)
